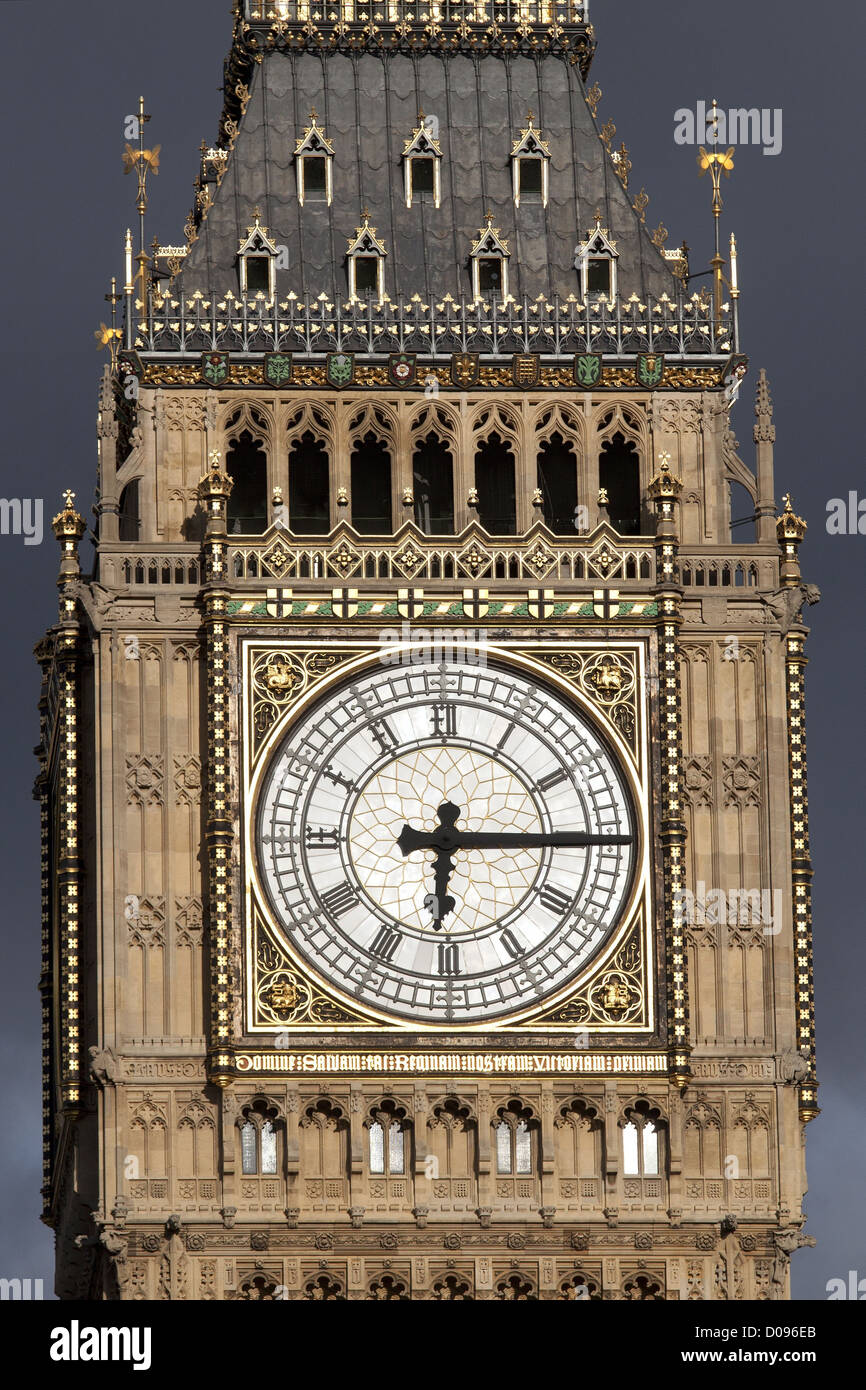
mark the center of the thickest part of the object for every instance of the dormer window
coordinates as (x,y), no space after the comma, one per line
(257,254)
(366,276)
(314,158)
(598,270)
(530,162)
(257,273)
(490,275)
(422,158)
(489,259)
(366,261)
(595,262)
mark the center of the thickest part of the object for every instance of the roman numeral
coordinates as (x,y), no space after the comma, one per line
(338,779)
(338,900)
(386,942)
(321,838)
(512,945)
(444,720)
(382,734)
(448,958)
(555,901)
(553,779)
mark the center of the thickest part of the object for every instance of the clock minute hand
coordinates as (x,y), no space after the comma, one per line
(447,839)
(560,839)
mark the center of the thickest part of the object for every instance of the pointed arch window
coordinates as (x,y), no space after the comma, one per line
(513,1134)
(309,487)
(259,1142)
(433,486)
(257,259)
(128,524)
(422,159)
(557,482)
(314,159)
(387,1141)
(641,1142)
(247,466)
(366,262)
(595,261)
(371,486)
(530,166)
(489,259)
(495,485)
(619,478)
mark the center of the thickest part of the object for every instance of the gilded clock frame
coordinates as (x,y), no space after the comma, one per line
(608,681)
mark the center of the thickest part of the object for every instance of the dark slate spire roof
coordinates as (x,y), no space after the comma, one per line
(368,104)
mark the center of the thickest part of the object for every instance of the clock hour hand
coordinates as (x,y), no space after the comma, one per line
(439,902)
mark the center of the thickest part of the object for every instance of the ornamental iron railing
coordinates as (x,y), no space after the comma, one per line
(550,327)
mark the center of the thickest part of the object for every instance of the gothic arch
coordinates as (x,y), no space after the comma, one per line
(374,418)
(387,1288)
(517,1287)
(312,418)
(609,419)
(579,1288)
(498,418)
(441,418)
(246,416)
(561,419)
(651,1109)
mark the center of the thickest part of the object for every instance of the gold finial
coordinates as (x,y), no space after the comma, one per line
(215,458)
(789,526)
(365,213)
(529,117)
(420,116)
(489,215)
(69,498)
(257,212)
(665,486)
(313,113)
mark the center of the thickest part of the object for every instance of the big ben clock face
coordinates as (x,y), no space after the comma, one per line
(446,844)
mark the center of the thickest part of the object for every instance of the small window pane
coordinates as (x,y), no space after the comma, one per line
(377,1148)
(598,277)
(258,274)
(248,1148)
(315,175)
(490,275)
(650,1149)
(269,1148)
(366,275)
(530,178)
(524,1149)
(629,1149)
(421,173)
(503,1148)
(395,1148)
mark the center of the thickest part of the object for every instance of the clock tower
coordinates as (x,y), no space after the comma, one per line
(426,880)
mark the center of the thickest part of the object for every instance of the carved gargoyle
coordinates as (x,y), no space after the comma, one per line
(786,605)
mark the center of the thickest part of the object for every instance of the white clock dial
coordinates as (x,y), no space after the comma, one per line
(446,844)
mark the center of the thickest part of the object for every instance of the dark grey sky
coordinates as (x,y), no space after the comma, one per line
(71,73)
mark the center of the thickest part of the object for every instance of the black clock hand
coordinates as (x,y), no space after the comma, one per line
(447,840)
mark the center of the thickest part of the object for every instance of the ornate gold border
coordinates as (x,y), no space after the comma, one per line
(614,994)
